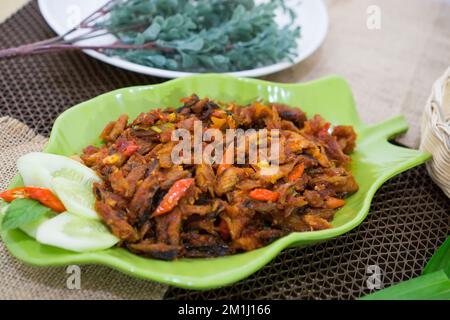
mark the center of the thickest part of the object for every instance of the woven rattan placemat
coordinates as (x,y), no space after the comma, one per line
(409,217)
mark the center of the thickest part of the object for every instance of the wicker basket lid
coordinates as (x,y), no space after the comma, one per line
(436,132)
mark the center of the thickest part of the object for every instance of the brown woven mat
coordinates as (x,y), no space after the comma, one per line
(19,281)
(408,220)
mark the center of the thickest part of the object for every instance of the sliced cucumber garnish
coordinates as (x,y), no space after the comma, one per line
(78,198)
(32,227)
(71,232)
(38,169)
(70,180)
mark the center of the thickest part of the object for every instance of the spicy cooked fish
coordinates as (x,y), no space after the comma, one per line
(166,210)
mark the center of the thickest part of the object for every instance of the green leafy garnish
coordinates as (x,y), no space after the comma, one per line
(21,212)
(202,35)
(185,35)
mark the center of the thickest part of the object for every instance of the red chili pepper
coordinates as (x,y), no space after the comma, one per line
(127,148)
(44,196)
(264,195)
(175,193)
(132,148)
(323,133)
(297,172)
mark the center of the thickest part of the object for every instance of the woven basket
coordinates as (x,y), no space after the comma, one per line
(436,132)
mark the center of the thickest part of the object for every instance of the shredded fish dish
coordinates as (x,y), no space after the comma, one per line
(167,210)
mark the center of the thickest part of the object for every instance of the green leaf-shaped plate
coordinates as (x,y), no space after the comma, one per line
(374,161)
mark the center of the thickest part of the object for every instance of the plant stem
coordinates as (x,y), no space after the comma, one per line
(60,43)
(58,47)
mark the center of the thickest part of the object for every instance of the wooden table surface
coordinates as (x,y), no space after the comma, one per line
(8,7)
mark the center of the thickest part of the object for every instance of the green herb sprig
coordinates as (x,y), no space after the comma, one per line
(21,212)
(184,35)
(204,35)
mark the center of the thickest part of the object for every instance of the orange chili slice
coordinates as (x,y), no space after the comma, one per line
(297,172)
(44,196)
(334,203)
(264,195)
(175,193)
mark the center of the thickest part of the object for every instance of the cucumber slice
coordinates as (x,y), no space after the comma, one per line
(31,228)
(38,169)
(71,232)
(78,198)
(70,180)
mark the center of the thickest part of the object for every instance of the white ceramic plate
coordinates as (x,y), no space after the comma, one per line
(312,16)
